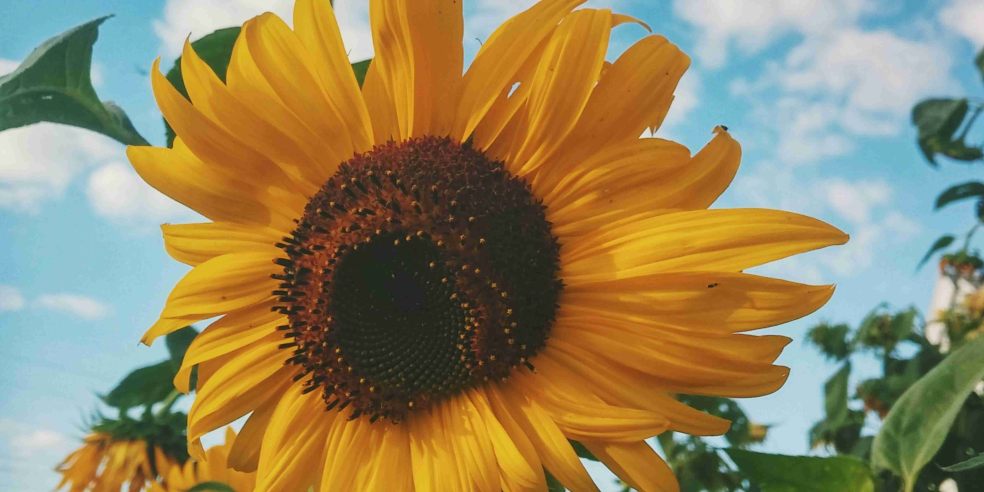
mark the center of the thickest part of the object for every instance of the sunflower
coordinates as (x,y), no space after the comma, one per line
(212,469)
(436,280)
(105,464)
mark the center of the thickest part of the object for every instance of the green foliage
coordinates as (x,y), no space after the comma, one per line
(938,121)
(215,49)
(361,68)
(144,386)
(971,464)
(154,383)
(212,487)
(780,473)
(583,452)
(963,191)
(979,62)
(940,244)
(918,423)
(166,430)
(831,340)
(835,395)
(53,84)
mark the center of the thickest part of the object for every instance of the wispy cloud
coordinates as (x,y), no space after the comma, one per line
(11,298)
(116,192)
(75,304)
(965,17)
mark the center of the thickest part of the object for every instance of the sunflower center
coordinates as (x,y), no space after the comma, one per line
(419,269)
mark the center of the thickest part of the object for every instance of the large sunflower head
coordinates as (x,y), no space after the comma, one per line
(105,464)
(211,473)
(439,278)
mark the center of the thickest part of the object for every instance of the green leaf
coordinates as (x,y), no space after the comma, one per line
(144,386)
(53,84)
(215,50)
(835,391)
(937,120)
(975,462)
(361,68)
(919,421)
(212,487)
(177,344)
(781,473)
(942,242)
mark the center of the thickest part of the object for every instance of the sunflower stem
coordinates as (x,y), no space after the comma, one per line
(168,402)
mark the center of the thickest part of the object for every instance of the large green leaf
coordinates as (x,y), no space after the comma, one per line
(144,386)
(941,242)
(937,120)
(919,421)
(781,473)
(215,49)
(835,395)
(962,191)
(177,344)
(972,463)
(53,84)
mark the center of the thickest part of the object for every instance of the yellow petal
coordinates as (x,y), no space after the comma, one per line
(212,143)
(349,446)
(317,29)
(435,28)
(193,244)
(700,240)
(637,87)
(580,414)
(594,375)
(180,175)
(563,82)
(229,334)
(501,57)
(244,455)
(713,302)
(434,466)
(247,380)
(223,284)
(389,466)
(637,464)
(294,443)
(470,444)
(297,159)
(519,465)
(553,448)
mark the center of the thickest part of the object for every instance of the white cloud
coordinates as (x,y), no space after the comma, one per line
(37,442)
(197,18)
(855,200)
(966,17)
(39,161)
(11,298)
(863,208)
(116,192)
(685,100)
(24,441)
(833,88)
(82,306)
(751,25)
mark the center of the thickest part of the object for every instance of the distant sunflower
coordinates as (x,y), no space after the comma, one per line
(213,469)
(435,281)
(104,464)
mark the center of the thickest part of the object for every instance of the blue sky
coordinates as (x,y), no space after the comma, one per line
(818,92)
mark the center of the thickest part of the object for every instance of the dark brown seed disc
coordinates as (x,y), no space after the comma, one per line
(420,269)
